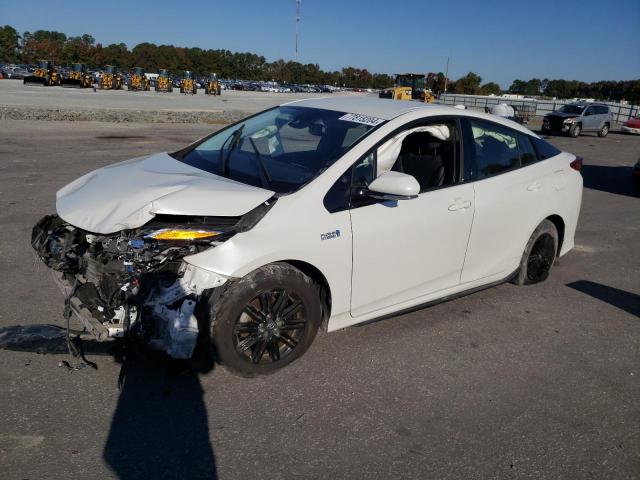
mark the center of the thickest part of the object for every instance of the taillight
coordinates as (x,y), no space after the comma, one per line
(576,164)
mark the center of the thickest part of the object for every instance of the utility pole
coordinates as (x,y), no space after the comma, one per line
(297,22)
(446,76)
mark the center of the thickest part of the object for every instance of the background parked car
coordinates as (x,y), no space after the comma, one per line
(632,125)
(579,117)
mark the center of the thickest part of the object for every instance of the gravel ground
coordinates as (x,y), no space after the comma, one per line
(538,382)
(34,102)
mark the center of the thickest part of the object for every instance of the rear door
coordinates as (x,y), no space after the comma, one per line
(510,196)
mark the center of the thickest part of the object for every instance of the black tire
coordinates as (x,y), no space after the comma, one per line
(265,320)
(539,255)
(206,90)
(604,131)
(575,130)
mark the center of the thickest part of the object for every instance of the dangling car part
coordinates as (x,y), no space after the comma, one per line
(45,74)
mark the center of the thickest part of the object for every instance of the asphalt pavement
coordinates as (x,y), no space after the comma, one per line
(537,382)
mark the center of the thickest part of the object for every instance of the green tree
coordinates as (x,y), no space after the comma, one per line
(490,88)
(9,44)
(469,84)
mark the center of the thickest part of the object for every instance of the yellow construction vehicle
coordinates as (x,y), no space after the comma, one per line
(138,80)
(409,86)
(213,87)
(45,74)
(163,82)
(111,79)
(188,83)
(78,77)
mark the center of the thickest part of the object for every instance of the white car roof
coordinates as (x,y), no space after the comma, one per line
(388,109)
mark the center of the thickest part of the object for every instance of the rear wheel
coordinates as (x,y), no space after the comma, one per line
(604,130)
(575,130)
(265,320)
(539,255)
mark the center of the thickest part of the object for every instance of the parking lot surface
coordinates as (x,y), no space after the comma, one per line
(14,93)
(538,382)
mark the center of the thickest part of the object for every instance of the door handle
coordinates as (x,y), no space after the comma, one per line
(458,205)
(534,187)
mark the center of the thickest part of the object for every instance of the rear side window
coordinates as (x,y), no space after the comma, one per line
(602,109)
(527,153)
(496,148)
(544,149)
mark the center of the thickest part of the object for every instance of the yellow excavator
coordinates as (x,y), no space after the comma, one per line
(163,82)
(213,87)
(45,74)
(409,86)
(188,83)
(139,80)
(78,77)
(111,79)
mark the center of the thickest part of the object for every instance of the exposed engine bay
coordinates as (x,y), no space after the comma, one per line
(134,284)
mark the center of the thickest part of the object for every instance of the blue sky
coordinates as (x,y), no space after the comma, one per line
(499,40)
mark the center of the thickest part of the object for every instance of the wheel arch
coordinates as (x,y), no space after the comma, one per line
(320,279)
(560,227)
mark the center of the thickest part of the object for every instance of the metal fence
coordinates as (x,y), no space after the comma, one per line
(539,108)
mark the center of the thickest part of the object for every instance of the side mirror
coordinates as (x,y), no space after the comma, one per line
(393,186)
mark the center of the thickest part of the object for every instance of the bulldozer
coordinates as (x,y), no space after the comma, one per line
(163,82)
(138,80)
(78,77)
(111,79)
(188,83)
(409,86)
(213,87)
(45,74)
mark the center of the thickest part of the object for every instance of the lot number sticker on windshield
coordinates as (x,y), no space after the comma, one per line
(364,119)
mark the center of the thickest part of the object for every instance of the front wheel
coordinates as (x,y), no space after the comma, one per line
(265,320)
(539,255)
(575,130)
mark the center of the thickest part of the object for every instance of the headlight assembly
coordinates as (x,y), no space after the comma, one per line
(569,120)
(182,234)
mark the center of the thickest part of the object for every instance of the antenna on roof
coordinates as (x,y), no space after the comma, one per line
(297,22)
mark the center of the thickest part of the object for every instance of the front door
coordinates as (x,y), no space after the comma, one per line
(407,249)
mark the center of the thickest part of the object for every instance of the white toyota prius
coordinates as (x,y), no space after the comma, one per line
(320,213)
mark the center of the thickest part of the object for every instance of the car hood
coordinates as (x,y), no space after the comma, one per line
(130,193)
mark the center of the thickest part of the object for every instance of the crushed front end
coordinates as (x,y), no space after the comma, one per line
(134,283)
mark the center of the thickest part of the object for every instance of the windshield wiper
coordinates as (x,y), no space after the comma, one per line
(224,160)
(265,177)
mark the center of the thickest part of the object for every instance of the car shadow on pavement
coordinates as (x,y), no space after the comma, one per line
(627,301)
(616,180)
(160,427)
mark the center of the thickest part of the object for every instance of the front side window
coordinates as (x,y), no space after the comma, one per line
(280,149)
(495,148)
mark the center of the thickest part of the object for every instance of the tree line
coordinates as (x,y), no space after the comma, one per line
(64,50)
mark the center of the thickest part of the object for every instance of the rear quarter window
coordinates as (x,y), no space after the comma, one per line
(544,149)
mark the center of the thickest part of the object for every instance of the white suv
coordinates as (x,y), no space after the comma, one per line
(318,213)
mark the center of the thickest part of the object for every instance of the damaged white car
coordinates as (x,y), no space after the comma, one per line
(320,213)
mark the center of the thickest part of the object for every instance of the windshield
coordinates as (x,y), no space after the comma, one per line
(416,82)
(280,149)
(576,109)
